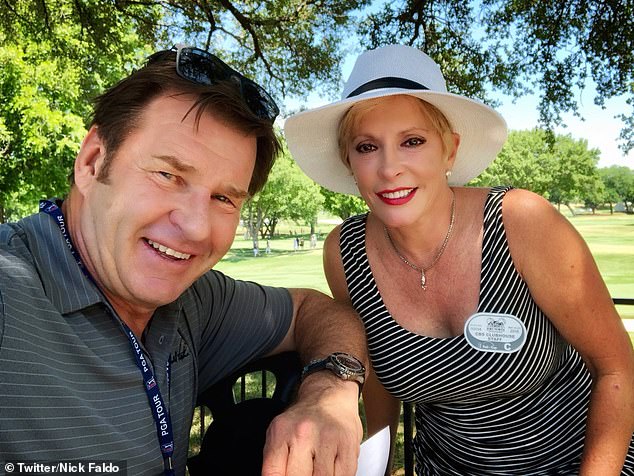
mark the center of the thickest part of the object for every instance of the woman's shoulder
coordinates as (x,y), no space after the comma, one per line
(333,238)
(530,222)
(516,202)
(522,210)
(526,209)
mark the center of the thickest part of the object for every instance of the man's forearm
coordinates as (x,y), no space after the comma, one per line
(324,326)
(321,432)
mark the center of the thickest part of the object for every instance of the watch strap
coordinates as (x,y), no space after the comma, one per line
(328,363)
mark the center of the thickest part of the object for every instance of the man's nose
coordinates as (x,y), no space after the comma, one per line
(192,216)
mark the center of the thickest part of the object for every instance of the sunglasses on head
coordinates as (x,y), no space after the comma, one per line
(201,67)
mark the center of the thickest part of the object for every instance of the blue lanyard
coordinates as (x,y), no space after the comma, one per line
(157,404)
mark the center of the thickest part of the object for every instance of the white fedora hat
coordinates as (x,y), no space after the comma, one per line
(312,135)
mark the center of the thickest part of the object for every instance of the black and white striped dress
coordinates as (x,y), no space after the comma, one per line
(479,413)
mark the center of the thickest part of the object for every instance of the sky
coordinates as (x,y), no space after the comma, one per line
(600,128)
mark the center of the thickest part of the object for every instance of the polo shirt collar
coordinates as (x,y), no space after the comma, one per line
(65,284)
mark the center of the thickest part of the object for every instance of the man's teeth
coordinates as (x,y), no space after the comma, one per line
(398,194)
(168,251)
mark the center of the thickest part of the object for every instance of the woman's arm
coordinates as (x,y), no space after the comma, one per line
(381,410)
(565,283)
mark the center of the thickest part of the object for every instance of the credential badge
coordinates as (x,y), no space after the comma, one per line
(490,332)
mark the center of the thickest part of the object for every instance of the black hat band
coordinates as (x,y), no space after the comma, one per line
(388,82)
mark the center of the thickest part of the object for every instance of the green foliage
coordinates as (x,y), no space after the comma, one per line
(341,205)
(288,195)
(295,47)
(566,42)
(40,128)
(573,170)
(52,66)
(524,162)
(444,29)
(619,184)
(59,54)
(562,172)
(290,46)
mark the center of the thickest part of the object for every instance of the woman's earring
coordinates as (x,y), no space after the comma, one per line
(448,174)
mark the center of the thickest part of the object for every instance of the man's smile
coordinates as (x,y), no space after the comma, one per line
(168,251)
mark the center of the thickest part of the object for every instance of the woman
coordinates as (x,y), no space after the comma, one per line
(483,307)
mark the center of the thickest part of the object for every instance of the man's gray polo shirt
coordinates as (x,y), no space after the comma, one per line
(69,385)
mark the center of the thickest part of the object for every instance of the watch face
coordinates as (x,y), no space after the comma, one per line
(350,363)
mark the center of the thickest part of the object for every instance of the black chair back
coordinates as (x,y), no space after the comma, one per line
(233,442)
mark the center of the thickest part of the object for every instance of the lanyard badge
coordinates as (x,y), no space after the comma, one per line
(157,404)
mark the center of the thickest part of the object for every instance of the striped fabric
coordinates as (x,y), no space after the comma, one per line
(70,388)
(479,413)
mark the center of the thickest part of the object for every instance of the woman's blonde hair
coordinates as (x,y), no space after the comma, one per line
(352,117)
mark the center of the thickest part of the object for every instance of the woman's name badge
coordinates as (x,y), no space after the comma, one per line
(490,332)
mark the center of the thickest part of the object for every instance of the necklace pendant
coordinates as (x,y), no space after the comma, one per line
(423,280)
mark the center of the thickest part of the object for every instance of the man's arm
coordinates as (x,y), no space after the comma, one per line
(321,432)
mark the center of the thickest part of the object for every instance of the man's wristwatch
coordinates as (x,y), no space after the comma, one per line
(344,366)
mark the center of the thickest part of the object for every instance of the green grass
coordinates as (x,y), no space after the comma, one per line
(611,241)
(609,237)
(282,267)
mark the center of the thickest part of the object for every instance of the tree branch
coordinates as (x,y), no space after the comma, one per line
(247,25)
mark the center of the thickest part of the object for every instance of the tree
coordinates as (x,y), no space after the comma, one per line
(525,161)
(341,205)
(562,172)
(290,46)
(39,132)
(611,195)
(594,195)
(59,54)
(47,80)
(288,195)
(574,172)
(619,184)
(295,47)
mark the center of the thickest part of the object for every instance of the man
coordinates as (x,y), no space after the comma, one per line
(111,322)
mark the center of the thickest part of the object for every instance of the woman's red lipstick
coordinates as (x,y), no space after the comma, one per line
(397,196)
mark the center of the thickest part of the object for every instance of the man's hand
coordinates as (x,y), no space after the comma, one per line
(318,435)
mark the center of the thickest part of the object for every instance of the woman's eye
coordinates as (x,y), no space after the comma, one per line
(365,148)
(414,141)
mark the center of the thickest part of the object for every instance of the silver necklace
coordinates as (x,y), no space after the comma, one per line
(423,278)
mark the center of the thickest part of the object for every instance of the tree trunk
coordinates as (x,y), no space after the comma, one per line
(252,224)
(256,224)
(570,208)
(272,225)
